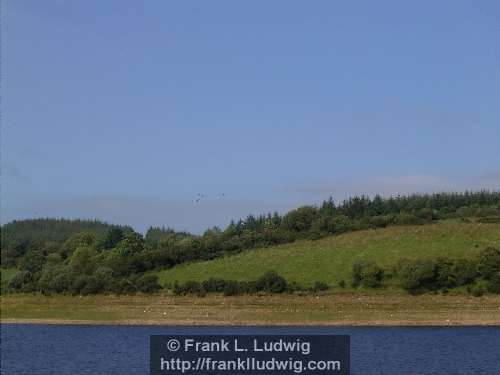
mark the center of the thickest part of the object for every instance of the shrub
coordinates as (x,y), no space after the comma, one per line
(322,225)
(189,287)
(32,262)
(341,224)
(494,283)
(427,214)
(62,282)
(78,285)
(83,261)
(465,271)
(357,268)
(408,219)
(293,286)
(86,285)
(477,290)
(53,259)
(177,289)
(489,262)
(300,219)
(319,286)
(21,280)
(105,276)
(122,286)
(81,239)
(125,265)
(147,284)
(271,282)
(445,277)
(329,224)
(417,276)
(231,288)
(249,286)
(367,273)
(380,221)
(342,284)
(55,279)
(92,286)
(372,276)
(214,285)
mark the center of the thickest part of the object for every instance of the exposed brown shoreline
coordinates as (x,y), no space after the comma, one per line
(431,323)
(277,310)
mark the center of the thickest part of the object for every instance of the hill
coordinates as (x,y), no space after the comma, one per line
(57,230)
(43,233)
(330,259)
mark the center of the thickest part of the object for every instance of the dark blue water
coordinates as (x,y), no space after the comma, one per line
(52,349)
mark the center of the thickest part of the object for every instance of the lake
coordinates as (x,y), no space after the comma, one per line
(78,349)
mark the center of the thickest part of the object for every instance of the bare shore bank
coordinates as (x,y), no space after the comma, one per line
(341,310)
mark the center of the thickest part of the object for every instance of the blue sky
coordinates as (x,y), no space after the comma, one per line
(125,111)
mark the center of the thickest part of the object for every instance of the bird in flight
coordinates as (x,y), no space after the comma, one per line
(201,196)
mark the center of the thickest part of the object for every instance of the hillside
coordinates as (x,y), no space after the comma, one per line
(57,230)
(44,234)
(330,259)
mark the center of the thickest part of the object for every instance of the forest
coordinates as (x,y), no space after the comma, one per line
(89,256)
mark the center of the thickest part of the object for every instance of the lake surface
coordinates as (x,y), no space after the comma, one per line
(74,349)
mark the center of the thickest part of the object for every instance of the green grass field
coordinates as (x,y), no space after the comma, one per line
(330,259)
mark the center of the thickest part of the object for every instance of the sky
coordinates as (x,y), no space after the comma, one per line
(126,111)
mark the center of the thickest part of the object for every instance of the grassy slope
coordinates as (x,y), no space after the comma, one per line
(330,259)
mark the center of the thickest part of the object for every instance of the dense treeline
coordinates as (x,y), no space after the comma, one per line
(479,274)
(45,235)
(270,282)
(84,257)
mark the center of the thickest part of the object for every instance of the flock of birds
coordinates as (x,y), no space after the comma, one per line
(200,196)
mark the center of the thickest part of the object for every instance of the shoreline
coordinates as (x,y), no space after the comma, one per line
(344,324)
(264,310)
